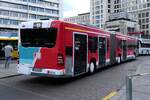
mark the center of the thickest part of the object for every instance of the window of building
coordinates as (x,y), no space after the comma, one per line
(143,14)
(32,8)
(14,22)
(48,11)
(147,14)
(147,32)
(97,25)
(139,15)
(97,12)
(14,14)
(40,9)
(147,20)
(32,1)
(143,20)
(5,21)
(97,21)
(23,7)
(4,12)
(140,22)
(23,15)
(147,26)
(39,1)
(148,4)
(97,17)
(32,16)
(55,11)
(143,26)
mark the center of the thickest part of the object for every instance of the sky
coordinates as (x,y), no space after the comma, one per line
(75,7)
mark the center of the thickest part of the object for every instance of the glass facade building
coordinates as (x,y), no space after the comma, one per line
(13,12)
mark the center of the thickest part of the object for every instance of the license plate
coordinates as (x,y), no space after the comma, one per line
(37,69)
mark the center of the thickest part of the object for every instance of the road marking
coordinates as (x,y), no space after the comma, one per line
(110,95)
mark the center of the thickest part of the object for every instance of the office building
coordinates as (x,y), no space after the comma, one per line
(83,18)
(101,9)
(138,10)
(13,12)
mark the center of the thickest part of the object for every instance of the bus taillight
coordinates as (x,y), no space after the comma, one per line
(60,60)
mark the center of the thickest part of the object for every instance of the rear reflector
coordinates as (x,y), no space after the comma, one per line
(60,60)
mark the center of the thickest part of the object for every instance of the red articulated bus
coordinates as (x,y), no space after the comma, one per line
(61,49)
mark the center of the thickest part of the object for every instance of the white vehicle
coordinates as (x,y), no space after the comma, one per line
(144,46)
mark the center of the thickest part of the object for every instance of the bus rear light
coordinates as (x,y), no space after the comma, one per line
(60,60)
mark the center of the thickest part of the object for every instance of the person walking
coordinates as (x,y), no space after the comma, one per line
(8,55)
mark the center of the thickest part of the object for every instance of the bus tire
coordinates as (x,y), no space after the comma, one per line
(92,68)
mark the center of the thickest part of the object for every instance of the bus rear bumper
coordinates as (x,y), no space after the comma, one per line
(24,69)
(49,73)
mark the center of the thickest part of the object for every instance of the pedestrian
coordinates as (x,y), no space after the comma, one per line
(8,55)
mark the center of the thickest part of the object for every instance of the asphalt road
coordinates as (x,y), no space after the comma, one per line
(92,87)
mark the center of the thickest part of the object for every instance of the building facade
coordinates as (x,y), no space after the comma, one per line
(13,12)
(139,10)
(125,26)
(101,9)
(81,18)
(124,23)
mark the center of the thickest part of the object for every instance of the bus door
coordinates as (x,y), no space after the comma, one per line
(124,48)
(102,51)
(80,53)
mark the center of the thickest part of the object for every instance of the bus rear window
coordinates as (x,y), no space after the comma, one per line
(45,37)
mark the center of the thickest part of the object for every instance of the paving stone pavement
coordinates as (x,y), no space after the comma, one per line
(140,85)
(8,72)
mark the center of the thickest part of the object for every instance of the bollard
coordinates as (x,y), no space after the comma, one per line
(129,84)
(128,88)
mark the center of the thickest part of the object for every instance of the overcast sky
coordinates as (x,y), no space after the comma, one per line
(75,7)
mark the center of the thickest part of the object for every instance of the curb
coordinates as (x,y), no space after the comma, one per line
(110,95)
(9,76)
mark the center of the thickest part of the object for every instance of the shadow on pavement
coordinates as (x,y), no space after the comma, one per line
(65,81)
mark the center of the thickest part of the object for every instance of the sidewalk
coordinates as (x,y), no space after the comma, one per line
(140,85)
(11,71)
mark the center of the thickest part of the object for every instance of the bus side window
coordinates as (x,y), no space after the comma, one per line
(107,44)
(92,44)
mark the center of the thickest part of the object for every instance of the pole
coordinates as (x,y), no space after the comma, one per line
(128,88)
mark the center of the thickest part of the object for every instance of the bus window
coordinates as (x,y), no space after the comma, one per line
(145,45)
(45,37)
(92,44)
